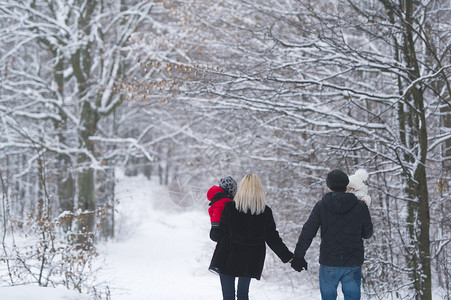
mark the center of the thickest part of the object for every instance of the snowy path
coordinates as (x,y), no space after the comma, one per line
(162,253)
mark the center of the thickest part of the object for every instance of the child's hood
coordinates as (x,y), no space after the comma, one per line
(356,180)
(213,191)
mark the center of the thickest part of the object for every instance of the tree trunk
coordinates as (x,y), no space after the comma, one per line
(87,203)
(66,187)
(419,216)
(86,180)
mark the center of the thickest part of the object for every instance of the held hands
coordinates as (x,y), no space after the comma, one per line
(299,264)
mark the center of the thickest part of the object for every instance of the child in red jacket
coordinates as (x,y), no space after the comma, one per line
(218,197)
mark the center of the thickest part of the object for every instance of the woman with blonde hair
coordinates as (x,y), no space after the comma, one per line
(246,225)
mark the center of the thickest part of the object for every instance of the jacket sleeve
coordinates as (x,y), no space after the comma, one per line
(216,211)
(273,239)
(215,217)
(367,225)
(218,231)
(308,232)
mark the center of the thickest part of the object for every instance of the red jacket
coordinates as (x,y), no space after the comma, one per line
(218,198)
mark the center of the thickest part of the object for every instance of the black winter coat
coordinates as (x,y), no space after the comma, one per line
(241,249)
(344,221)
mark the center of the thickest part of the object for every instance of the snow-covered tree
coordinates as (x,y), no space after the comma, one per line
(61,61)
(319,85)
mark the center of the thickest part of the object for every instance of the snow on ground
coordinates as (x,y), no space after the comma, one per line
(162,251)
(39,293)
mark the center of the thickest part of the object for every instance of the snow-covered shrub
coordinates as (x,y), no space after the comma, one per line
(43,250)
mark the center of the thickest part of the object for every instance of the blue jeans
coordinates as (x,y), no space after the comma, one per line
(350,278)
(228,287)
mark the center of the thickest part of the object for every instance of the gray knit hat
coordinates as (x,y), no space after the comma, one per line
(228,184)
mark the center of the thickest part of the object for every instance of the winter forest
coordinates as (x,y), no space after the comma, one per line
(189,91)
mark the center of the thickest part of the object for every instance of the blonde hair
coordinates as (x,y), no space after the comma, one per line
(250,195)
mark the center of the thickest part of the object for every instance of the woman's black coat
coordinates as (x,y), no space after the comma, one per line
(241,249)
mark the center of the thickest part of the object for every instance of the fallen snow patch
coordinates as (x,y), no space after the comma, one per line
(36,292)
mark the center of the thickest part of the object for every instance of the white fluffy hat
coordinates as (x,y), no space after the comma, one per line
(356,180)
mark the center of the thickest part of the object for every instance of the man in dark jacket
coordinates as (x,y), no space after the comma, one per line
(344,222)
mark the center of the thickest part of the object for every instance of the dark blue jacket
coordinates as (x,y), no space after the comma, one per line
(344,222)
